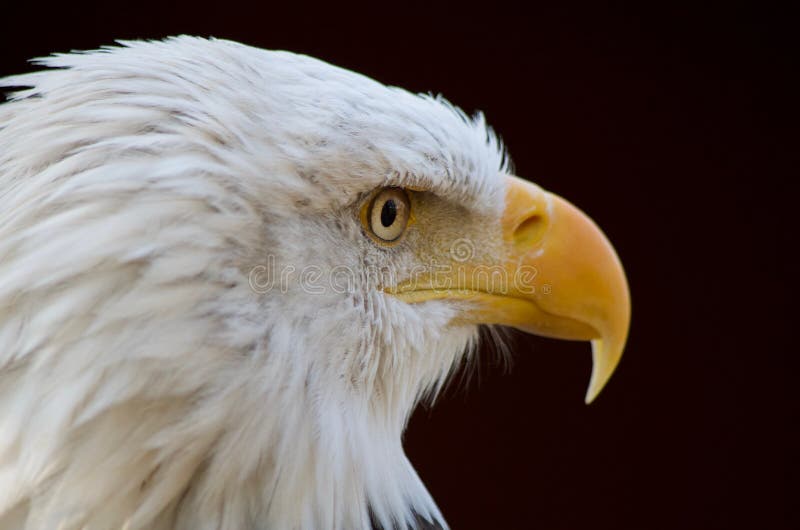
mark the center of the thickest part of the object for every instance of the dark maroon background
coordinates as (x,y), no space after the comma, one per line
(670,127)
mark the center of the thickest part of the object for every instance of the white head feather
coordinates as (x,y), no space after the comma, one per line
(144,381)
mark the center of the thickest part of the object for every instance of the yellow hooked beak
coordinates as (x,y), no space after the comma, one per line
(559,277)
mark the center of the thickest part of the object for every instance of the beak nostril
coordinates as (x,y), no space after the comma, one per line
(530,230)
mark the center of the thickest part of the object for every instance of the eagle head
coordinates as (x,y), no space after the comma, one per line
(228,275)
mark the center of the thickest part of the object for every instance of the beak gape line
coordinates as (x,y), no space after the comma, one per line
(560,278)
(446,276)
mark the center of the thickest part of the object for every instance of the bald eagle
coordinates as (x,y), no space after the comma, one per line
(228,275)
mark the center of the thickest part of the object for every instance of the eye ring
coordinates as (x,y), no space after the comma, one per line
(386,215)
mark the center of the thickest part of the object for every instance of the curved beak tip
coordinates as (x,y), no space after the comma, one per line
(569,251)
(605,358)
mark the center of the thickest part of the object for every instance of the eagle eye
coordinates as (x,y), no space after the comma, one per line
(387,214)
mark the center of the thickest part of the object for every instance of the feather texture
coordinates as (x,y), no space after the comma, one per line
(144,382)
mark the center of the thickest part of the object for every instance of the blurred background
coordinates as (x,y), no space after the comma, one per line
(670,127)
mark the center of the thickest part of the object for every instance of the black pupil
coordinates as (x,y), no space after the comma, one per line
(388,213)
